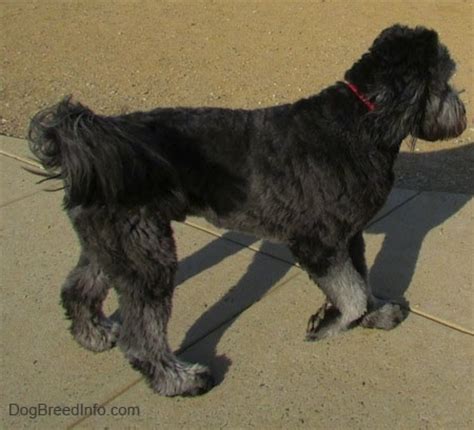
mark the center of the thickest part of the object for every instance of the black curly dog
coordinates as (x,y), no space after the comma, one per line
(309,174)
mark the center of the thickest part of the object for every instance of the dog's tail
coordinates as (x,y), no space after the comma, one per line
(101,160)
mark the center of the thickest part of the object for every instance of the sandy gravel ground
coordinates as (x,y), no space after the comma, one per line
(133,55)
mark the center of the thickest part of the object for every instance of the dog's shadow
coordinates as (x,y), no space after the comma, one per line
(390,275)
(262,273)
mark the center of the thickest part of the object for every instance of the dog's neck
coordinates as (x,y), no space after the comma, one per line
(363,98)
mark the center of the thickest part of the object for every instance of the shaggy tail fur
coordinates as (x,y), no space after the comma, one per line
(102,160)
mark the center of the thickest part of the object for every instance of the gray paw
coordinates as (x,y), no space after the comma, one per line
(184,380)
(97,336)
(202,383)
(386,317)
(324,323)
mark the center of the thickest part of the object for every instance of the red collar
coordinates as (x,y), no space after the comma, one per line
(360,96)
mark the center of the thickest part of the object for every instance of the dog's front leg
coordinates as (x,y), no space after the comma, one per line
(347,298)
(342,275)
(345,289)
(380,314)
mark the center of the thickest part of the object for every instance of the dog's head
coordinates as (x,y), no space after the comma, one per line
(407,72)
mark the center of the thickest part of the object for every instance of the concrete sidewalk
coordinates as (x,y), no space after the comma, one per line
(242,306)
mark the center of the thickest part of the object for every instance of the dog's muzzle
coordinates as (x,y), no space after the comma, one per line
(444,118)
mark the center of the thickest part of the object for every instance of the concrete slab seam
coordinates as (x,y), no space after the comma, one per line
(21,159)
(251,247)
(19,199)
(409,199)
(441,321)
(106,402)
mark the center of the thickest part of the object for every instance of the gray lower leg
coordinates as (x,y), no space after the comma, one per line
(347,295)
(380,313)
(145,313)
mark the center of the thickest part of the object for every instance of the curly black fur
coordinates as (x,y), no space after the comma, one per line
(309,174)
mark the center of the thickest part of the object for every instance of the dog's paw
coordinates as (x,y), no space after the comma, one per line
(386,317)
(324,323)
(202,381)
(188,380)
(97,336)
(315,320)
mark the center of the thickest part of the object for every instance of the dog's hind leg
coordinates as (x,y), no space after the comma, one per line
(380,314)
(82,296)
(143,267)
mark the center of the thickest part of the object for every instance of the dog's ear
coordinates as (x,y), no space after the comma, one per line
(399,44)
